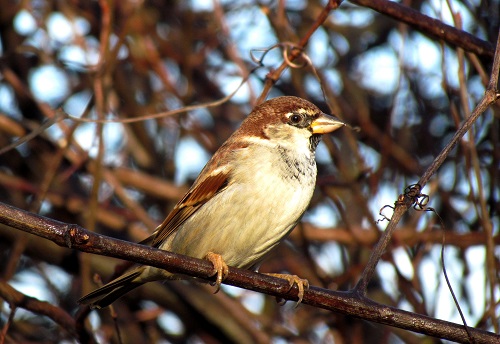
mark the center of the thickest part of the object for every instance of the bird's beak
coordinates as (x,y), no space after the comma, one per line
(326,124)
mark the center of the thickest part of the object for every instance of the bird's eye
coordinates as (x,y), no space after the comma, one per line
(295,118)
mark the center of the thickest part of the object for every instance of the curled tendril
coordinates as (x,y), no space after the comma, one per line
(384,218)
(260,61)
(287,47)
(418,200)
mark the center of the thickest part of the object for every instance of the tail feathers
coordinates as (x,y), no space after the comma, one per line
(118,287)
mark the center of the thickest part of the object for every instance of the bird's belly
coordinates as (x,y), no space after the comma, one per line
(243,227)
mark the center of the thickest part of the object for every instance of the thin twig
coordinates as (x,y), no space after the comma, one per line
(49,122)
(165,113)
(296,52)
(405,201)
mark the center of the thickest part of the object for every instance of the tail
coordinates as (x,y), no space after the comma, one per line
(107,294)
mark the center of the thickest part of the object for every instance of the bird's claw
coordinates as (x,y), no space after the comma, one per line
(302,284)
(220,268)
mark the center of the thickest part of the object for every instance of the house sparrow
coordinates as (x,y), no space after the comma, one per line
(247,198)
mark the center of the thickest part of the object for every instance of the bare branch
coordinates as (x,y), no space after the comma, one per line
(348,303)
(430,26)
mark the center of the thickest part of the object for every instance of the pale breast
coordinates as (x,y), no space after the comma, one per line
(263,202)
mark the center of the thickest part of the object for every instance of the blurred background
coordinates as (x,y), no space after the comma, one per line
(406,90)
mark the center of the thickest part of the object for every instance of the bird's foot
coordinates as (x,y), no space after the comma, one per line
(302,284)
(220,268)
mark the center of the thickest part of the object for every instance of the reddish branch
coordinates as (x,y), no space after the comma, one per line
(295,53)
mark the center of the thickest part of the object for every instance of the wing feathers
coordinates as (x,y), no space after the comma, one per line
(196,197)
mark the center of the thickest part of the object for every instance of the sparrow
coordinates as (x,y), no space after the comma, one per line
(246,200)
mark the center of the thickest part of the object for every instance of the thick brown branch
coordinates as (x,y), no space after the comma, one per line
(430,26)
(348,303)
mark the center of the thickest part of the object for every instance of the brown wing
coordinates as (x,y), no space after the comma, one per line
(196,197)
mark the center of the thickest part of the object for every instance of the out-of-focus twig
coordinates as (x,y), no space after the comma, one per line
(57,314)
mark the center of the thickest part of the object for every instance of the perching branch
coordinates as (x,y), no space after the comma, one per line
(348,303)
